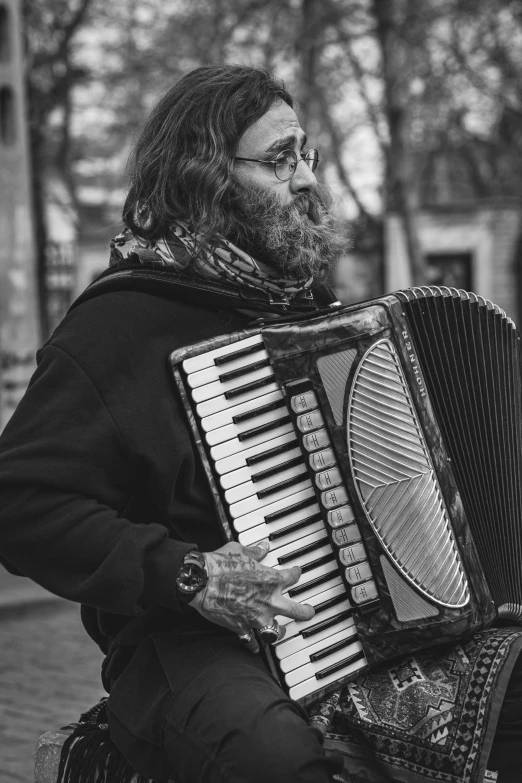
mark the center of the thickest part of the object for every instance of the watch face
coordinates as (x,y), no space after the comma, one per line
(191,578)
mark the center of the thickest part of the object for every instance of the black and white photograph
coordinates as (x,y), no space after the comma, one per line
(260,391)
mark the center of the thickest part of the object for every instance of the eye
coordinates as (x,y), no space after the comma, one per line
(286,159)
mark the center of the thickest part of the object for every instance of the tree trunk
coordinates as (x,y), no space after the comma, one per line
(308,48)
(37,155)
(401,184)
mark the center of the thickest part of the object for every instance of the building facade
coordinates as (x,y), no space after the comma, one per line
(469,245)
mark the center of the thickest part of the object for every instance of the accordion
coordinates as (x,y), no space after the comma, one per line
(378,447)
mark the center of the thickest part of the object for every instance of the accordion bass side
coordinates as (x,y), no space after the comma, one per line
(377,446)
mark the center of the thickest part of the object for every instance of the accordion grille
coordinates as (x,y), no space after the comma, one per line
(396,482)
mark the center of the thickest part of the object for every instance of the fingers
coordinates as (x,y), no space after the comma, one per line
(249,641)
(289,576)
(295,611)
(259,551)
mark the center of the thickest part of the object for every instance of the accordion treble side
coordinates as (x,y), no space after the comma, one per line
(378,447)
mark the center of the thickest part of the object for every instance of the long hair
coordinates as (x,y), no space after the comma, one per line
(181,166)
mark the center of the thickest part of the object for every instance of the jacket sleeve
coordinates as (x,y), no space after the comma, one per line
(65,480)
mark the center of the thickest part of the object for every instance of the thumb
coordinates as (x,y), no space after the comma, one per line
(259,551)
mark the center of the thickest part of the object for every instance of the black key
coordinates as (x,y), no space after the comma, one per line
(283,512)
(263,474)
(316,563)
(230,357)
(337,666)
(337,599)
(239,390)
(263,493)
(271,406)
(230,376)
(303,550)
(321,626)
(272,425)
(319,580)
(296,526)
(317,656)
(256,458)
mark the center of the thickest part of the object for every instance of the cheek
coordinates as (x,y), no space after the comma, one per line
(264,179)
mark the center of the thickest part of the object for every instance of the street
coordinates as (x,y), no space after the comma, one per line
(49,674)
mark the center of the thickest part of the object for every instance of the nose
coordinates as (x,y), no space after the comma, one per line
(303,179)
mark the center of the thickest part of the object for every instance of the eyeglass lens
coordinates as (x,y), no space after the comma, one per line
(286,163)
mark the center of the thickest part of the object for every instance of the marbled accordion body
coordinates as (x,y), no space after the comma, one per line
(378,447)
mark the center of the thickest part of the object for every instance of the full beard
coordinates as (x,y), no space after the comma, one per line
(295,240)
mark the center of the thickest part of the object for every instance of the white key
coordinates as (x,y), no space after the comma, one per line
(256,534)
(271,558)
(302,657)
(310,686)
(295,627)
(314,573)
(249,488)
(253,503)
(214,373)
(236,477)
(307,595)
(310,669)
(215,437)
(207,359)
(294,644)
(258,517)
(220,402)
(222,418)
(238,461)
(215,389)
(233,446)
(247,538)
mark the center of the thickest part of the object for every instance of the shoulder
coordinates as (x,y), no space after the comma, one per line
(132,324)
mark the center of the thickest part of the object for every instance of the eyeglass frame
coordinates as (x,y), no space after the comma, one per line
(273,161)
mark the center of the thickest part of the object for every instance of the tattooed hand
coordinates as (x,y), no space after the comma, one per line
(241,593)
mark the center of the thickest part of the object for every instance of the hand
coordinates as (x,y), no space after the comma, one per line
(241,593)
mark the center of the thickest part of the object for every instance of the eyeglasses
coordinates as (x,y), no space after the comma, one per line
(285,164)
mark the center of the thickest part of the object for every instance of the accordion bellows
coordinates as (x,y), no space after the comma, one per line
(378,446)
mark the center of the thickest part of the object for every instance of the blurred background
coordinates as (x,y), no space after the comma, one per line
(414,105)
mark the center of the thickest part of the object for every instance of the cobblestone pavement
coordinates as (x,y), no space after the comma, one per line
(49,674)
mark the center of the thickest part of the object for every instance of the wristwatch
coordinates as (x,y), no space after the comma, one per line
(192,576)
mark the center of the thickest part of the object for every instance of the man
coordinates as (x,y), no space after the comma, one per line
(103,500)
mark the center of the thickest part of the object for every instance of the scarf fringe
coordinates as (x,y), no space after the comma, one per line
(89,755)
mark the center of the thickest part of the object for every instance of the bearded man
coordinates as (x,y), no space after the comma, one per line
(103,500)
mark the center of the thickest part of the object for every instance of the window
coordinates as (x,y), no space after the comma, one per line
(451,269)
(5,34)
(7,116)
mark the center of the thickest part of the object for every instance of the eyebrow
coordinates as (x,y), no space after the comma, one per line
(285,143)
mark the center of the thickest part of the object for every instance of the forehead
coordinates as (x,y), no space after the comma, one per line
(279,121)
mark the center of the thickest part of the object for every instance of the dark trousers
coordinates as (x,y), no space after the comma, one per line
(196,707)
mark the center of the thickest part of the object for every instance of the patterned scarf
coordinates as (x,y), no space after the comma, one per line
(223,262)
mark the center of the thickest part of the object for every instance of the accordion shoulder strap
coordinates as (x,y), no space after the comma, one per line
(209,294)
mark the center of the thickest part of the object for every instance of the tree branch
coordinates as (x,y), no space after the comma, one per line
(336,151)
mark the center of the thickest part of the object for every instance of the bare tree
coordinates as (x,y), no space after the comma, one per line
(50,29)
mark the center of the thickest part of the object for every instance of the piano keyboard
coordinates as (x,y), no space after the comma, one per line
(279,477)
